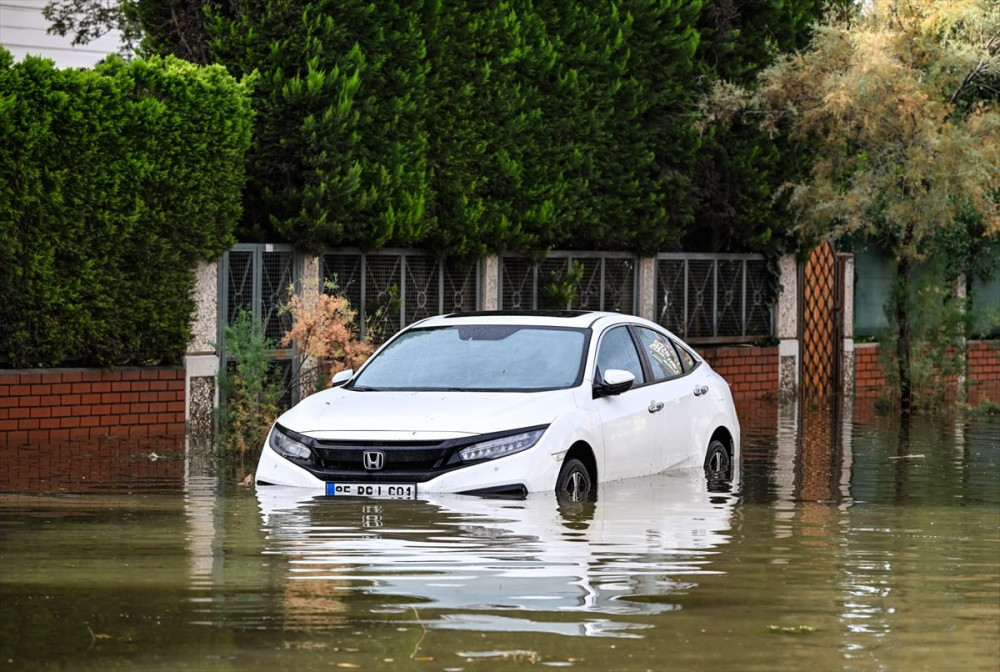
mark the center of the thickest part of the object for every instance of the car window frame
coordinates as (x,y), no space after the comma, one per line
(598,375)
(647,367)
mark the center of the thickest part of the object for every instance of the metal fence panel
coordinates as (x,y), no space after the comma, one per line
(714,297)
(460,293)
(518,279)
(608,282)
(730,297)
(239,264)
(619,279)
(700,299)
(671,294)
(258,279)
(391,289)
(423,288)
(277,282)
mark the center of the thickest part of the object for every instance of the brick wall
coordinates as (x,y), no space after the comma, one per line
(869,378)
(51,405)
(752,372)
(984,371)
(103,464)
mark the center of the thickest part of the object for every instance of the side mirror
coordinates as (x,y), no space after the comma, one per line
(341,377)
(615,382)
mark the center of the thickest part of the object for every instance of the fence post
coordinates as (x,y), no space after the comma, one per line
(201,359)
(489,298)
(960,292)
(305,370)
(847,333)
(647,288)
(788,329)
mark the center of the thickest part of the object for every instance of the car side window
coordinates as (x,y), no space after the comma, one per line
(617,351)
(687,359)
(662,355)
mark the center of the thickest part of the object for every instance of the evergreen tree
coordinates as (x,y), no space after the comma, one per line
(340,152)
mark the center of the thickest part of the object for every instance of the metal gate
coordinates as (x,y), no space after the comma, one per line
(257,279)
(821,320)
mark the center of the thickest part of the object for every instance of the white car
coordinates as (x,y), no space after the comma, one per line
(506,404)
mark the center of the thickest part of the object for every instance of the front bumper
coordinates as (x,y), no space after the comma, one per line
(534,470)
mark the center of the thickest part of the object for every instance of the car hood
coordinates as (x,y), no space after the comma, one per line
(349,414)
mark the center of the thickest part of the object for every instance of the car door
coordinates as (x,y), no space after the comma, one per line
(626,420)
(681,421)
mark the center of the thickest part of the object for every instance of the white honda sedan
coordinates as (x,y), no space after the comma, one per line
(507,404)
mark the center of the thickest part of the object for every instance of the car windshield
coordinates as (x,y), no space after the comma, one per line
(478,358)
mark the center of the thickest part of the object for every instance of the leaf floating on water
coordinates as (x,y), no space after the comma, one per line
(791,630)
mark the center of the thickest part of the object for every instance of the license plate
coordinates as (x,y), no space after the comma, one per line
(374,490)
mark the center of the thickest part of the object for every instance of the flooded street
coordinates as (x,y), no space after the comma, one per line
(844,546)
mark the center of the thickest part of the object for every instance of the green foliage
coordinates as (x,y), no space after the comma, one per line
(496,127)
(560,289)
(739,167)
(249,389)
(896,107)
(116,181)
(341,152)
(464,129)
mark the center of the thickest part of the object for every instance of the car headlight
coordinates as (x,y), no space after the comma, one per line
(286,446)
(505,445)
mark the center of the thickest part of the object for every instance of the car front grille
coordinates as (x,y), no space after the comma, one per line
(409,457)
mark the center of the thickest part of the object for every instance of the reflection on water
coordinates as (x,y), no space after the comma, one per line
(854,544)
(485,564)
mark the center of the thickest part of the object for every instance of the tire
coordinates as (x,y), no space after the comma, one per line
(718,464)
(575,484)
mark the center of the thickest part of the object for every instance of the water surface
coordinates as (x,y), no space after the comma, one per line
(844,546)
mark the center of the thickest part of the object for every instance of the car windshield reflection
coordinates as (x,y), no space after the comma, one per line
(480,358)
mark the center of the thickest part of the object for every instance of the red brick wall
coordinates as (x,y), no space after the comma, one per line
(984,371)
(869,379)
(43,406)
(752,372)
(82,466)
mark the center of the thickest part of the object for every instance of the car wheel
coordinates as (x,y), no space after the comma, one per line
(574,482)
(718,463)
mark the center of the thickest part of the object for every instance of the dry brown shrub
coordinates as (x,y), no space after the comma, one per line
(324,329)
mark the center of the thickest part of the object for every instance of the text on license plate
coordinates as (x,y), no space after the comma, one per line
(378,490)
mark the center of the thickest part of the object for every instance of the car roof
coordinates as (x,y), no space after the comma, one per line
(560,318)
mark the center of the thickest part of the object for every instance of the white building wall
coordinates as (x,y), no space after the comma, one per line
(23,31)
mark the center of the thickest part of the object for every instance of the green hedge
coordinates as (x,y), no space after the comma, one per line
(465,129)
(115,181)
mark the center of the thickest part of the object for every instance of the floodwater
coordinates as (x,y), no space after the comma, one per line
(845,545)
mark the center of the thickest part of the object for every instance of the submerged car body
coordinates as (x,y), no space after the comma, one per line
(509,403)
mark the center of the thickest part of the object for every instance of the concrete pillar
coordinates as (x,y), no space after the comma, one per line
(308,271)
(306,369)
(960,292)
(201,360)
(847,333)
(788,329)
(646,289)
(489,299)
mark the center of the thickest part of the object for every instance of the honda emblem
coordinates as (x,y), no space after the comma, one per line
(373,459)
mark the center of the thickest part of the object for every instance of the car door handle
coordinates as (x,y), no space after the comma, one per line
(700,390)
(655,406)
